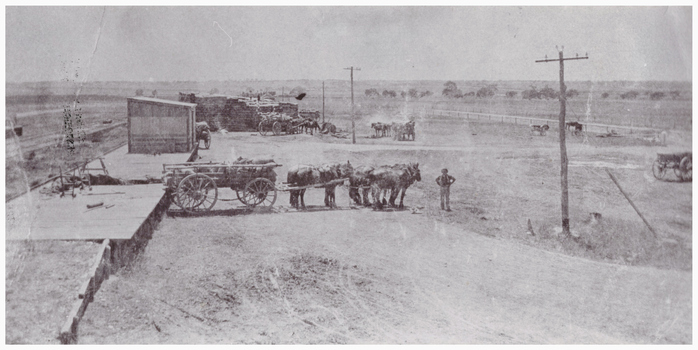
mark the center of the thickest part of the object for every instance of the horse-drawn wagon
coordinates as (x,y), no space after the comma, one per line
(681,163)
(194,185)
(279,123)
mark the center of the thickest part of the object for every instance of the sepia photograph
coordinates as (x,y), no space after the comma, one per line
(348,175)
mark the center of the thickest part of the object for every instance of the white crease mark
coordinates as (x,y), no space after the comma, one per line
(89,62)
(226,33)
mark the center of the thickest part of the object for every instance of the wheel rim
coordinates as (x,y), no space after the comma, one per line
(260,192)
(262,131)
(658,169)
(276,128)
(196,192)
(686,169)
(241,196)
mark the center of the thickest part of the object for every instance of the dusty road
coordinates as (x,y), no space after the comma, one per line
(356,276)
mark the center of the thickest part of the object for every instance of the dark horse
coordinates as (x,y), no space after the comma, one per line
(359,185)
(395,178)
(311,125)
(304,175)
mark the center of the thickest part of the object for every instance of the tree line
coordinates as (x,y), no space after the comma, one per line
(412,93)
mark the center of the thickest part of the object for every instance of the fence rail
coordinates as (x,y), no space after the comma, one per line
(587,127)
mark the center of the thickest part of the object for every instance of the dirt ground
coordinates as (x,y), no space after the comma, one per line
(471,276)
(42,279)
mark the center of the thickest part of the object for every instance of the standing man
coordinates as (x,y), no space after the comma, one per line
(444,181)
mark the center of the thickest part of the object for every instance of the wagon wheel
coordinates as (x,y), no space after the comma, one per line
(686,167)
(56,184)
(239,194)
(658,169)
(678,171)
(261,129)
(276,128)
(196,192)
(259,192)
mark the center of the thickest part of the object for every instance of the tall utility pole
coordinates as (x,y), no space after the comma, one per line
(323,102)
(563,146)
(353,130)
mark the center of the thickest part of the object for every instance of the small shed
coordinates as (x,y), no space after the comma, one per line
(160,126)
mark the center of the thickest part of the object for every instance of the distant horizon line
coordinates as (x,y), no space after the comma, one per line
(355,80)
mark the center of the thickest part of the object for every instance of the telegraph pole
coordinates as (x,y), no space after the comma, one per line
(353,130)
(563,146)
(323,102)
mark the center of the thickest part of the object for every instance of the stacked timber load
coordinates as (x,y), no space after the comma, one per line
(288,108)
(238,116)
(209,108)
(306,113)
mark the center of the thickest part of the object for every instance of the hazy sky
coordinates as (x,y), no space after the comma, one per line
(405,43)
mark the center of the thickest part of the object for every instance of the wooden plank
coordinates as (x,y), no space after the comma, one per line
(68,218)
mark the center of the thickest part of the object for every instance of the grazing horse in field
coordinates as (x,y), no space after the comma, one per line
(395,178)
(397,130)
(575,127)
(304,175)
(378,127)
(409,130)
(403,132)
(540,129)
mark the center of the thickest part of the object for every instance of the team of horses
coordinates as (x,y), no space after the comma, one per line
(399,131)
(393,179)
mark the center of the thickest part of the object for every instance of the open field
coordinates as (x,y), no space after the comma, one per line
(357,276)
(470,276)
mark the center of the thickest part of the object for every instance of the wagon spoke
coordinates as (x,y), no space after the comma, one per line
(196,191)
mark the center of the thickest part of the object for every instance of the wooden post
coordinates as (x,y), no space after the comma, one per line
(631,203)
(563,147)
(563,151)
(323,103)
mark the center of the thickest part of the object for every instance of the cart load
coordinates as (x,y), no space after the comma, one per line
(278,123)
(194,185)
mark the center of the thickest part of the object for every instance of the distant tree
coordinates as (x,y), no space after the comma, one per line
(425,93)
(675,94)
(155,93)
(572,93)
(139,92)
(511,94)
(372,93)
(531,93)
(403,94)
(450,90)
(471,93)
(548,93)
(413,93)
(657,95)
(630,95)
(214,91)
(486,91)
(604,95)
